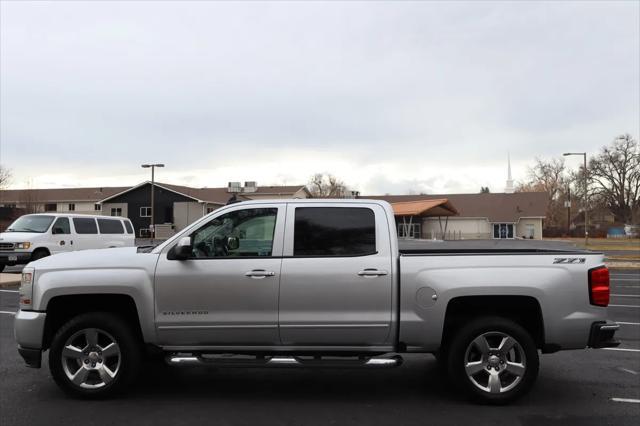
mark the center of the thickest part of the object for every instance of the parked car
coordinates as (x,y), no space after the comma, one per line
(310,283)
(34,236)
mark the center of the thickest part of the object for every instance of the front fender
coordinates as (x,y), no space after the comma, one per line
(134,282)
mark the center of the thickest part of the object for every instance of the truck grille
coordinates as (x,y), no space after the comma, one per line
(6,246)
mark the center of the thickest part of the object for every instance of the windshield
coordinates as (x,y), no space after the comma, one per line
(31,223)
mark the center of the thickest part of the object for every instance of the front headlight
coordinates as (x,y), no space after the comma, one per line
(26,288)
(24,245)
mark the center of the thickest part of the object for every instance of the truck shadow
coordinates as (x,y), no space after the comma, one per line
(418,380)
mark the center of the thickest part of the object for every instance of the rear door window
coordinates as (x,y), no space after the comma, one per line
(334,231)
(110,226)
(85,225)
(128,227)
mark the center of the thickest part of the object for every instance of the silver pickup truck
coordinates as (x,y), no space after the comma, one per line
(310,283)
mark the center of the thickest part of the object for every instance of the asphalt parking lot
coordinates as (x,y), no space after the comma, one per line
(574,388)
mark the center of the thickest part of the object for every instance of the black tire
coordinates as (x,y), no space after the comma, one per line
(492,330)
(109,327)
(39,254)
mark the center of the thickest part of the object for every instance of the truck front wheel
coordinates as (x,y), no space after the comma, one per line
(94,355)
(494,360)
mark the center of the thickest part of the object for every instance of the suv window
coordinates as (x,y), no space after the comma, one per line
(61,226)
(128,227)
(85,225)
(240,233)
(110,226)
(334,231)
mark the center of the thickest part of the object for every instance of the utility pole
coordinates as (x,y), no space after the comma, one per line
(586,196)
(567,204)
(153,184)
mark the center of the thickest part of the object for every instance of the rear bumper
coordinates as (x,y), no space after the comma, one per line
(602,335)
(14,257)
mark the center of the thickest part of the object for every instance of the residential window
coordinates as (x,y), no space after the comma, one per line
(334,231)
(241,233)
(110,226)
(409,230)
(116,211)
(210,209)
(502,230)
(61,226)
(50,207)
(530,231)
(85,225)
(145,211)
(97,207)
(72,207)
(144,233)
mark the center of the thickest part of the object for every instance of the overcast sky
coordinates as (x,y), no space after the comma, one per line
(389,96)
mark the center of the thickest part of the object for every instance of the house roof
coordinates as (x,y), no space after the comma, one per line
(496,207)
(424,208)
(58,194)
(95,195)
(216,195)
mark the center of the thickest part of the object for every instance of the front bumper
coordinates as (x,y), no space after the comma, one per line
(14,257)
(28,329)
(602,335)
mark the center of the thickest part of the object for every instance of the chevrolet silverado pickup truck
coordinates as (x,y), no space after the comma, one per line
(310,283)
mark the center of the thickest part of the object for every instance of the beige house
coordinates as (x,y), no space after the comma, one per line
(478,216)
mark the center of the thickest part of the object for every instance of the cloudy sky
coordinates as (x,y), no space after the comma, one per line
(389,96)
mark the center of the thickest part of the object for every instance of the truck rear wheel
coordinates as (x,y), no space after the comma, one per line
(493,360)
(94,355)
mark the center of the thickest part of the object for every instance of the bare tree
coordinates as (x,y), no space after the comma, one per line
(547,176)
(485,190)
(5,177)
(326,185)
(615,176)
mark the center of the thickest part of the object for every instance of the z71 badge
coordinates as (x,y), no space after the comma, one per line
(569,260)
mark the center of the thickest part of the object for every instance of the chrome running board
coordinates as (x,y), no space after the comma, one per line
(280,361)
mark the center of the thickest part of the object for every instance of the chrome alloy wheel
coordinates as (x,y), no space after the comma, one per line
(495,362)
(91,358)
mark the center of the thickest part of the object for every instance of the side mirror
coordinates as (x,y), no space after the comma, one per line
(233,243)
(182,250)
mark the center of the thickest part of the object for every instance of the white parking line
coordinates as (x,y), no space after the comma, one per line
(7,312)
(10,291)
(621,349)
(625,306)
(628,323)
(626,370)
(628,286)
(631,400)
(625,279)
(625,295)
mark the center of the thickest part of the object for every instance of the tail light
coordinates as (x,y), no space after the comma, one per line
(599,286)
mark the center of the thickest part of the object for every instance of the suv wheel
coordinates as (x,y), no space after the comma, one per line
(94,355)
(493,360)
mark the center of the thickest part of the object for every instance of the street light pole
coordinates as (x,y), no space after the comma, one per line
(586,195)
(153,184)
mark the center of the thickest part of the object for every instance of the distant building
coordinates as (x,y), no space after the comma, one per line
(479,216)
(175,206)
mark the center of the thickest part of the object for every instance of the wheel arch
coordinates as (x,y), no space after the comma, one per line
(61,309)
(524,310)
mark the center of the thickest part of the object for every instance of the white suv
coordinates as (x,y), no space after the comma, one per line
(35,236)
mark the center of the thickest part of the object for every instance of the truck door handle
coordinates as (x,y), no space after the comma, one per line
(369,272)
(259,273)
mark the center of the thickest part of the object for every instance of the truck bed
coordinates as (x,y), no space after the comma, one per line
(435,247)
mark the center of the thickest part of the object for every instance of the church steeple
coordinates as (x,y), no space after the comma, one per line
(509,188)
